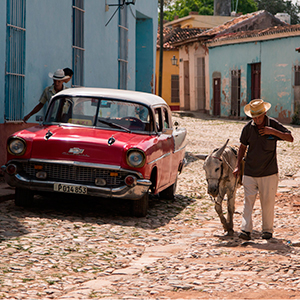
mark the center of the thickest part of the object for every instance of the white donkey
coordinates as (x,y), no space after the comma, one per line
(218,167)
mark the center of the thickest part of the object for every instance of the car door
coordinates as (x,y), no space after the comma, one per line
(166,146)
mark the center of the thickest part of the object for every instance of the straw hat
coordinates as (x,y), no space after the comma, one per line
(256,108)
(58,75)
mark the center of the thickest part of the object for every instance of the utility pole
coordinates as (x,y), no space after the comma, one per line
(161,29)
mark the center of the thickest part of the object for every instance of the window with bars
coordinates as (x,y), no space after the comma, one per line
(15,60)
(174,88)
(235,92)
(78,43)
(123,47)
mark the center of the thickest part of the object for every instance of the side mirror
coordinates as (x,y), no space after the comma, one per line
(39,119)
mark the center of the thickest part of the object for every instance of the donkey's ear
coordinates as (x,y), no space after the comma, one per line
(220,151)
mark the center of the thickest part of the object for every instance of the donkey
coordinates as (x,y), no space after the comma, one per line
(219,166)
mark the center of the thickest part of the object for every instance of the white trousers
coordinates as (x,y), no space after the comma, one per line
(267,188)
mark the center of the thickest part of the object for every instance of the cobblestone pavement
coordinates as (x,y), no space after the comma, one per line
(65,249)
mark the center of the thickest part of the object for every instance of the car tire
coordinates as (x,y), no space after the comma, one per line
(23,197)
(169,193)
(140,207)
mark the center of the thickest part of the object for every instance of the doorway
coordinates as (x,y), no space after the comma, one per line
(255,81)
(186,71)
(217,97)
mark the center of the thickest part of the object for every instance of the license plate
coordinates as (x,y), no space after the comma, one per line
(67,188)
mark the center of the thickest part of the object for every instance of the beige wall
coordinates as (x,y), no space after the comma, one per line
(190,53)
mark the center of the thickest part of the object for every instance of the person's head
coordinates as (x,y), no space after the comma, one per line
(68,72)
(257,110)
(58,79)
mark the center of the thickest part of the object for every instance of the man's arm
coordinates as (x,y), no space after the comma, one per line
(285,136)
(36,109)
(241,153)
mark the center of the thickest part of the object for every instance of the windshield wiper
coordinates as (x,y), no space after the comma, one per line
(114,125)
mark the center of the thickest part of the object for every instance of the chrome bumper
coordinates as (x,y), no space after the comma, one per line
(124,192)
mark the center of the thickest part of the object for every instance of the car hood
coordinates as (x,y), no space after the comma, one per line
(81,144)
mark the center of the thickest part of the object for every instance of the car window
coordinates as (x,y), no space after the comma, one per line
(166,118)
(158,119)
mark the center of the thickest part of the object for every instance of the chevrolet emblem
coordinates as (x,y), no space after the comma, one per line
(76,151)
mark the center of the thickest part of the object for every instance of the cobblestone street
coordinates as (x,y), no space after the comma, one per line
(65,249)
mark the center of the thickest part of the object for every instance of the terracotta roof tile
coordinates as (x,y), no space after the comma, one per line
(176,35)
(256,33)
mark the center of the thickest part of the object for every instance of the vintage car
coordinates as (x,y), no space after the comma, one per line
(99,142)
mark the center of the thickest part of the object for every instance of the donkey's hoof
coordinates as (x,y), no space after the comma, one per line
(230,232)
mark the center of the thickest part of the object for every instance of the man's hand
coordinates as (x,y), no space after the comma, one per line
(25,119)
(266,131)
(236,172)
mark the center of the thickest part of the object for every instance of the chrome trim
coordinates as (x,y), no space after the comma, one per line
(124,192)
(75,163)
(179,149)
(157,159)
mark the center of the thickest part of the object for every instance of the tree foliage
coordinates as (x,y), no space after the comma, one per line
(182,8)
(280,6)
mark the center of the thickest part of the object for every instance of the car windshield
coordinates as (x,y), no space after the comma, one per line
(97,112)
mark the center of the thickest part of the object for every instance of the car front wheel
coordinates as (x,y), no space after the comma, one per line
(169,193)
(140,207)
(23,197)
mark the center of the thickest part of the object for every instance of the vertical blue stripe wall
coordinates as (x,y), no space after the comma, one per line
(144,53)
(2,56)
(49,45)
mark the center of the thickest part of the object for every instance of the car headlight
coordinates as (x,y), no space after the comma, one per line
(16,146)
(136,158)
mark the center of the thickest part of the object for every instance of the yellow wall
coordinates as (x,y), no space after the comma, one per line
(168,70)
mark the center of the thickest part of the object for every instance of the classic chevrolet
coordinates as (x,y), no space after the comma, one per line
(99,142)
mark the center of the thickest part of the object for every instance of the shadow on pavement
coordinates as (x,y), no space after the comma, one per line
(97,210)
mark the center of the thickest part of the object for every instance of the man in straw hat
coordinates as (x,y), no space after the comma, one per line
(59,78)
(259,137)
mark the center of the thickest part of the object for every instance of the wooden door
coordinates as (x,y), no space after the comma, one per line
(255,81)
(186,71)
(217,97)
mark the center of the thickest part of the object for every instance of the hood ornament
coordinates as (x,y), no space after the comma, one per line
(48,135)
(111,140)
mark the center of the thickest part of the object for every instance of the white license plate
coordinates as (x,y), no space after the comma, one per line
(67,188)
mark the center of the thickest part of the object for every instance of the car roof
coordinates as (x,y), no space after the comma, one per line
(133,96)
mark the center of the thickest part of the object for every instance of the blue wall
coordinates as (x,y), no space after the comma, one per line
(49,44)
(2,56)
(277,58)
(144,51)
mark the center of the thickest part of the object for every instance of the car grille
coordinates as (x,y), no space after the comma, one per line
(75,174)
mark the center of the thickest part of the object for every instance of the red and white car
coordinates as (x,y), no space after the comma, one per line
(99,142)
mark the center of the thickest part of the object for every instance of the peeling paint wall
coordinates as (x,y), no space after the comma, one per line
(190,53)
(277,57)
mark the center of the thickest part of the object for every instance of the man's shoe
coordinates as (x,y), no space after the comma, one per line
(267,235)
(245,235)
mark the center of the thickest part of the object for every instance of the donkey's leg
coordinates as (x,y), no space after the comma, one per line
(230,211)
(219,210)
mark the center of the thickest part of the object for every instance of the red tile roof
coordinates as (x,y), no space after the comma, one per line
(257,33)
(176,35)
(244,22)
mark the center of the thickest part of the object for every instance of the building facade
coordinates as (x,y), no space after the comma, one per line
(107,43)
